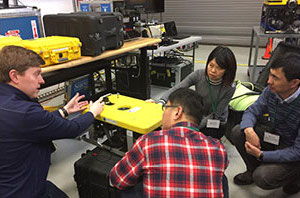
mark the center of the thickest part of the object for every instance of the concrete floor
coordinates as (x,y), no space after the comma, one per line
(69,150)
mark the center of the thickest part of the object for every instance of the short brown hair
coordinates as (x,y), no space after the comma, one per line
(18,58)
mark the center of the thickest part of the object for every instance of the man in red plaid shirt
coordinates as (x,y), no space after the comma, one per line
(177,161)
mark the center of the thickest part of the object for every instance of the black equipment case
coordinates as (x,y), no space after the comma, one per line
(91,174)
(98,31)
(168,72)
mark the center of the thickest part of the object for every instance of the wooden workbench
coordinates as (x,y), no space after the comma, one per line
(127,47)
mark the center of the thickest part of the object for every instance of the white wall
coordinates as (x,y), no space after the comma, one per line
(50,6)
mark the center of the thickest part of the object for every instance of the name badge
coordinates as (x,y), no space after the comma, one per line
(213,123)
(271,138)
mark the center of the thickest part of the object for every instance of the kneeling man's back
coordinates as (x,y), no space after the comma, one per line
(177,161)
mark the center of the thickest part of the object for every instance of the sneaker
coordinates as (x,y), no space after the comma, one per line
(243,178)
(291,189)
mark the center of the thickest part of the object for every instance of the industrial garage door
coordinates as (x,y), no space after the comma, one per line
(219,21)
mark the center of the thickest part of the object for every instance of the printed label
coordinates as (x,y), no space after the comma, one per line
(13,33)
(34,29)
(271,138)
(135,109)
(110,121)
(129,133)
(213,123)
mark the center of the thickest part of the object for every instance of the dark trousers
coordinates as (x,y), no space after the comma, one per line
(225,186)
(265,175)
(54,192)
(133,192)
(137,190)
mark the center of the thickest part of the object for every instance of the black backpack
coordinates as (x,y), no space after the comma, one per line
(282,48)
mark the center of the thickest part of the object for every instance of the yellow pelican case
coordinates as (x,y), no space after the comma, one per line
(53,49)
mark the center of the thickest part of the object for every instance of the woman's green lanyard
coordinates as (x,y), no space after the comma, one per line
(292,108)
(214,103)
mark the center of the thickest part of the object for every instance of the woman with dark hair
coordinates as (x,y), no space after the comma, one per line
(214,84)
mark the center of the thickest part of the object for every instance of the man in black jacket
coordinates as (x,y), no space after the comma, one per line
(27,130)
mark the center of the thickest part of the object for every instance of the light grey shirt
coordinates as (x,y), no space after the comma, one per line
(199,79)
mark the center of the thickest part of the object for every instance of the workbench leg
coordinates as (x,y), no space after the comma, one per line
(251,48)
(194,46)
(108,78)
(145,74)
(91,83)
(252,79)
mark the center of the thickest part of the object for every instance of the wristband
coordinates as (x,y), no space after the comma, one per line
(64,112)
(261,156)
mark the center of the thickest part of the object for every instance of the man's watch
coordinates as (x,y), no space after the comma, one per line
(64,112)
(261,156)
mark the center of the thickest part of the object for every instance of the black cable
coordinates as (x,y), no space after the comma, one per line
(246,94)
(139,67)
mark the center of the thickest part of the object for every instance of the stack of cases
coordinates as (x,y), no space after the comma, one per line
(98,31)
(91,174)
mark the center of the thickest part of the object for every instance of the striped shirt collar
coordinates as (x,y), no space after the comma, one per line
(291,98)
(185,124)
(215,82)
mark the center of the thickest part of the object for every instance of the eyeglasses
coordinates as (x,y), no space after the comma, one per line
(163,107)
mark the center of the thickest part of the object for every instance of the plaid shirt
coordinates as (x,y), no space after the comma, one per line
(179,162)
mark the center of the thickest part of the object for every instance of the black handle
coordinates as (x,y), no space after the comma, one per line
(5,4)
(111,32)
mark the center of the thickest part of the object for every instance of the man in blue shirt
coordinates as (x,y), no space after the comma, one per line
(271,151)
(27,131)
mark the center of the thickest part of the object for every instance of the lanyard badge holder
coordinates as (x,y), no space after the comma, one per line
(265,125)
(213,123)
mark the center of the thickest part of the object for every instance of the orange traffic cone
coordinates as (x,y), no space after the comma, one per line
(268,51)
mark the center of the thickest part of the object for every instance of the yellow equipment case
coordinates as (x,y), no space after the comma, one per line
(55,49)
(281,16)
(131,113)
(290,3)
(10,40)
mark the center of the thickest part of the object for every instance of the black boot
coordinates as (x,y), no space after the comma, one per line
(291,188)
(243,178)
